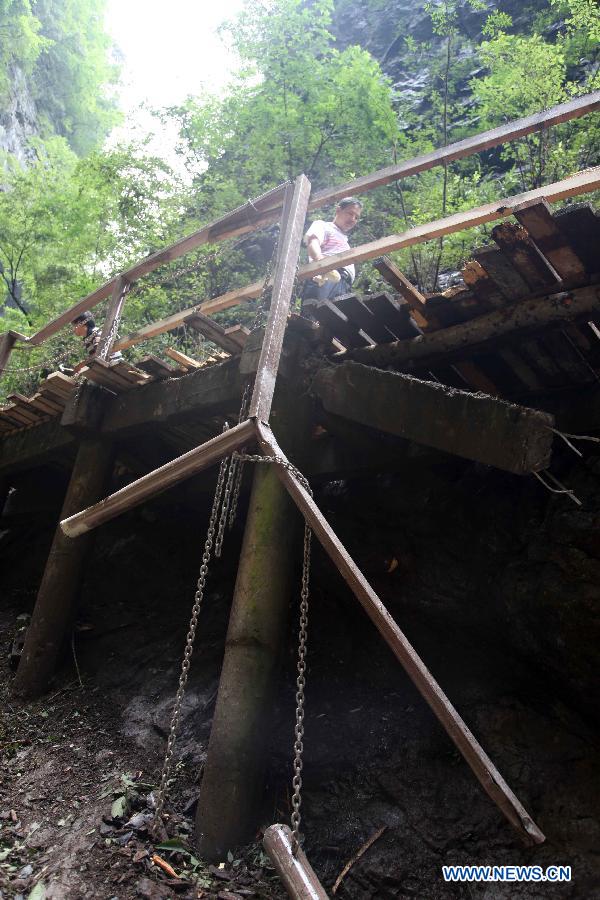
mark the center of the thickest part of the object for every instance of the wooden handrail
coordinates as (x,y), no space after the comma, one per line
(580,183)
(266,209)
(251,215)
(563,112)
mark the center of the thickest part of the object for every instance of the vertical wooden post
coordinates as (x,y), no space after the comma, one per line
(232,783)
(57,596)
(7,342)
(292,226)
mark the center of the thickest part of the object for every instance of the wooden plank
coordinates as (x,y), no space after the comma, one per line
(524,316)
(518,247)
(331,317)
(504,275)
(11,414)
(481,765)
(45,404)
(482,285)
(114,375)
(157,368)
(563,112)
(160,479)
(128,371)
(182,358)
(23,406)
(574,369)
(536,217)
(232,343)
(395,317)
(476,378)
(245,218)
(579,183)
(539,359)
(413,297)
(170,323)
(575,184)
(292,227)
(359,315)
(521,368)
(581,225)
(60,384)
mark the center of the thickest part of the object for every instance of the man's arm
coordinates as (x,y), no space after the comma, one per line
(313,246)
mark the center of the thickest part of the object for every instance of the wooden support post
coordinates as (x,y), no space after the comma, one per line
(7,342)
(297,874)
(480,763)
(57,596)
(292,226)
(232,783)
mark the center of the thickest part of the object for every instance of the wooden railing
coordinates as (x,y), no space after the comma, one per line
(267,209)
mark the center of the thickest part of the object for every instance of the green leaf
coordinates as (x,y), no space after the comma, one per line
(119,808)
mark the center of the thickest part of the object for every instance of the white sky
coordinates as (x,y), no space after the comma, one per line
(170,50)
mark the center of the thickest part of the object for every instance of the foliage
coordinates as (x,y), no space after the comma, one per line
(297,104)
(66,225)
(62,50)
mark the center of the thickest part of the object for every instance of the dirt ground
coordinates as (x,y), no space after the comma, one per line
(494,584)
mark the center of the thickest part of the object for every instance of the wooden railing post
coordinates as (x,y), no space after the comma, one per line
(113,316)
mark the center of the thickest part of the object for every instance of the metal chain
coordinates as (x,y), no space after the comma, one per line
(109,340)
(296,817)
(189,644)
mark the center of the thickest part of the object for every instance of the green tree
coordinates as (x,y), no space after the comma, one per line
(297,104)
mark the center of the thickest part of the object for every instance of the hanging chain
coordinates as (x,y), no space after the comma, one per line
(109,340)
(296,817)
(189,644)
(232,486)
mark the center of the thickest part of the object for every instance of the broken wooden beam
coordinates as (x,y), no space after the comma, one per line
(231,340)
(413,297)
(481,765)
(497,326)
(159,480)
(524,256)
(536,216)
(474,426)
(182,358)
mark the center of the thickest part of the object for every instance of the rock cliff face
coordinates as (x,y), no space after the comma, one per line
(18,119)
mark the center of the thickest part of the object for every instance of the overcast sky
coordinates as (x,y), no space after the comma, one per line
(170,50)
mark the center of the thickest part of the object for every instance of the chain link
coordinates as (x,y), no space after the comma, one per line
(297,764)
(189,644)
(109,340)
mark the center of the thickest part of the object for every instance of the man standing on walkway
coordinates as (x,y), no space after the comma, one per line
(326,238)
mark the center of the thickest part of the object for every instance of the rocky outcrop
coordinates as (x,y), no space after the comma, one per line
(18,118)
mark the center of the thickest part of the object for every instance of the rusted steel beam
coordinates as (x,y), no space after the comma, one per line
(480,763)
(292,227)
(297,874)
(154,482)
